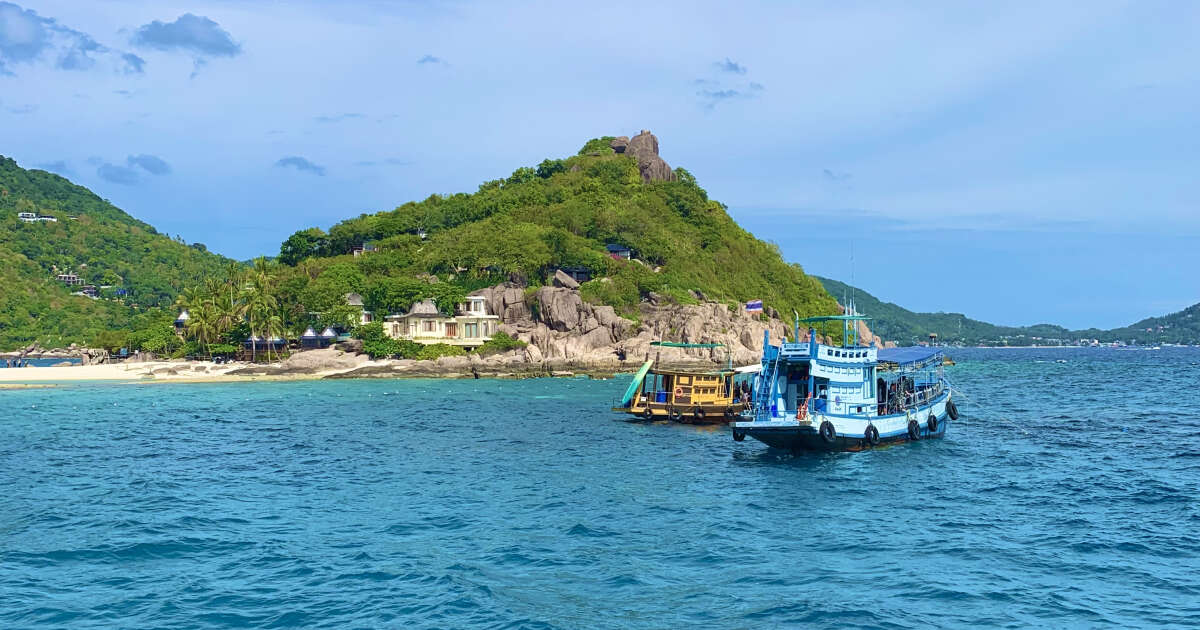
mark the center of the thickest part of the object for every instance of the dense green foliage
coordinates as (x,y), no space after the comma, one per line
(98,242)
(500,342)
(903,326)
(560,214)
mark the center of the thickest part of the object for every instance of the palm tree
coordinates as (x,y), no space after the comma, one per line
(259,300)
(202,324)
(273,325)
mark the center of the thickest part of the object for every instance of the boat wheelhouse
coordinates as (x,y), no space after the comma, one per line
(691,396)
(810,396)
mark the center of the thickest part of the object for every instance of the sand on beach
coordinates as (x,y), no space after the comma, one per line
(158,371)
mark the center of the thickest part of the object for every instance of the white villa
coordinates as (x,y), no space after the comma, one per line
(32,217)
(469,328)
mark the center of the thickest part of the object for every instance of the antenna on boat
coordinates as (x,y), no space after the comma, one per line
(852,273)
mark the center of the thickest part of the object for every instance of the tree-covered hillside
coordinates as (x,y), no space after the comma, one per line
(141,269)
(561,214)
(895,323)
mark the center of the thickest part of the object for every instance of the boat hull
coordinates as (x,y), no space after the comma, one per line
(808,438)
(850,433)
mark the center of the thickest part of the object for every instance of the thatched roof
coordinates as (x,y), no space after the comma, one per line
(425,308)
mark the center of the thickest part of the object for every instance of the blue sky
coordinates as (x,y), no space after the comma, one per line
(1022,163)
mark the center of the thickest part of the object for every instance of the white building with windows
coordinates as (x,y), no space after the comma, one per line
(470,327)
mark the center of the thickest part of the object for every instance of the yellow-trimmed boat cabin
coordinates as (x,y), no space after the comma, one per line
(683,395)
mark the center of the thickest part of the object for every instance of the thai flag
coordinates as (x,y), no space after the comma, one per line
(754,306)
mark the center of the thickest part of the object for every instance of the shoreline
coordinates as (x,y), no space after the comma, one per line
(207,372)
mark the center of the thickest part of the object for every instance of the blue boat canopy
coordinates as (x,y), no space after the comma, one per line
(907,356)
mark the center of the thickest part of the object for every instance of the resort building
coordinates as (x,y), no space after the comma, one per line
(578,274)
(181,322)
(620,252)
(470,327)
(68,279)
(365,248)
(355,300)
(32,217)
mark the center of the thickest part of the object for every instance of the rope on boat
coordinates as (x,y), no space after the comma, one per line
(956,391)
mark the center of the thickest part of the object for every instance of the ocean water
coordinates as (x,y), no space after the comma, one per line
(1068,495)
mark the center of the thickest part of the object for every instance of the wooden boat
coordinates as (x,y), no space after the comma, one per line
(690,396)
(810,396)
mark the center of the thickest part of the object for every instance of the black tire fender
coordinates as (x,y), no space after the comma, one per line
(828,433)
(951,410)
(648,413)
(914,430)
(738,436)
(932,423)
(698,412)
(871,435)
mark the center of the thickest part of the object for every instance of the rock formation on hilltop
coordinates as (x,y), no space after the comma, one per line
(644,147)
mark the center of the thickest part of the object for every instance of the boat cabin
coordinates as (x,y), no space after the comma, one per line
(683,395)
(799,378)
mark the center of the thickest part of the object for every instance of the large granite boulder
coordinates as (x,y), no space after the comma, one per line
(561,279)
(644,147)
(507,301)
(619,144)
(559,308)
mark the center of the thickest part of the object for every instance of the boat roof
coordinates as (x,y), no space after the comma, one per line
(908,355)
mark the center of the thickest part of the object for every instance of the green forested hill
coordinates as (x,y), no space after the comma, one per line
(562,213)
(92,238)
(898,324)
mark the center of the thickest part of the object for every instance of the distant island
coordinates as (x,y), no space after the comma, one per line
(906,327)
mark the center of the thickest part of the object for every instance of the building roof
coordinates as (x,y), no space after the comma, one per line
(614,247)
(425,308)
(354,299)
(183,316)
(309,333)
(328,333)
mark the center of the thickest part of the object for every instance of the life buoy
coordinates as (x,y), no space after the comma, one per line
(738,436)
(932,423)
(871,435)
(678,392)
(828,433)
(951,410)
(914,430)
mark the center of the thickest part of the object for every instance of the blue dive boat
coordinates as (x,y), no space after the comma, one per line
(810,396)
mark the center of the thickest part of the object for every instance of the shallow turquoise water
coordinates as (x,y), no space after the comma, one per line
(1067,496)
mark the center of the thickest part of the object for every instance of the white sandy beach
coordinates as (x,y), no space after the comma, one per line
(143,372)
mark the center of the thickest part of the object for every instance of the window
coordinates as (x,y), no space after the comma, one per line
(471,330)
(428,325)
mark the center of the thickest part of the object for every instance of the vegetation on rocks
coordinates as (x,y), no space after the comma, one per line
(560,214)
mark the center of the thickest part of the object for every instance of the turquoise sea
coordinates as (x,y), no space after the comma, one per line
(1068,495)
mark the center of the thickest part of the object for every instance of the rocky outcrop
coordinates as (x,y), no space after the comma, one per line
(644,147)
(561,279)
(619,144)
(93,356)
(508,301)
(563,330)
